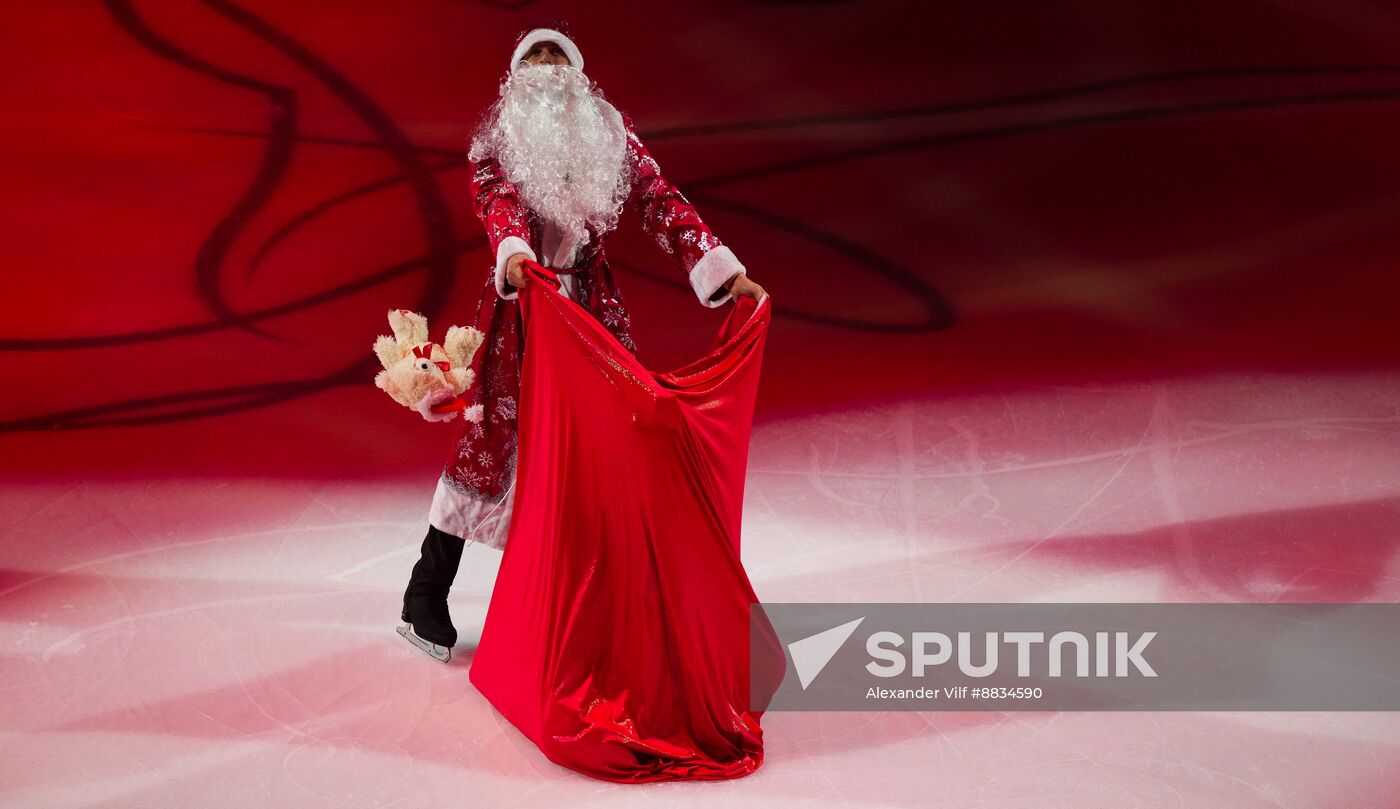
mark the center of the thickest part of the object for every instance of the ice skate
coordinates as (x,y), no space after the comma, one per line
(426,621)
(436,651)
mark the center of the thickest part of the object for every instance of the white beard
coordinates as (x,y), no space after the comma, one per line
(561,144)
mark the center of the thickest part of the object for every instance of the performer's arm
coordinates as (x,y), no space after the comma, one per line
(670,219)
(501,212)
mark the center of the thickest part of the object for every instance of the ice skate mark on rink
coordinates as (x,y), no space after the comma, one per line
(163,548)
(406,552)
(73,642)
(1225,433)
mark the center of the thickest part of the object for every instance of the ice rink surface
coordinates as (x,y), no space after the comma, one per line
(229,642)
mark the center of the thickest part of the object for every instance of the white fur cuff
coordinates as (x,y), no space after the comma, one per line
(711,271)
(508,247)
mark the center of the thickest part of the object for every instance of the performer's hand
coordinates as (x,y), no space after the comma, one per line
(740,284)
(515,270)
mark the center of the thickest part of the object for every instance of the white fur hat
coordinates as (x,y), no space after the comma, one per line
(538,35)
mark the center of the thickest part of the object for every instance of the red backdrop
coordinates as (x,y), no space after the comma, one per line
(212,205)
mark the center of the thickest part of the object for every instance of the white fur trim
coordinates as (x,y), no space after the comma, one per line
(546,35)
(508,247)
(425,406)
(711,271)
(469,518)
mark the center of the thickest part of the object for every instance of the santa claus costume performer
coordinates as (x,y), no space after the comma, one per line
(553,164)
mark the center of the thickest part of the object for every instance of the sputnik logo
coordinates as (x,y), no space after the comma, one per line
(811,654)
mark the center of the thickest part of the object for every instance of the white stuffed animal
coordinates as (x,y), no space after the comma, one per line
(423,375)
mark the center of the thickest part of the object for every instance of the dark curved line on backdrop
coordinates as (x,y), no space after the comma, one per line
(439,262)
(940,312)
(432,206)
(246,397)
(1021,99)
(944,139)
(938,307)
(284,391)
(346,289)
(210,260)
(277,157)
(926,110)
(324,207)
(319,140)
(1000,132)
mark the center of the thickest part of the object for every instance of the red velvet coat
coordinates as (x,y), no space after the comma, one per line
(473,495)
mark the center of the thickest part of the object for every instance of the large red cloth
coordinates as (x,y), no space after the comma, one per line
(617,638)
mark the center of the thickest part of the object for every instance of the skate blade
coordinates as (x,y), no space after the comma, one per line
(433,650)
